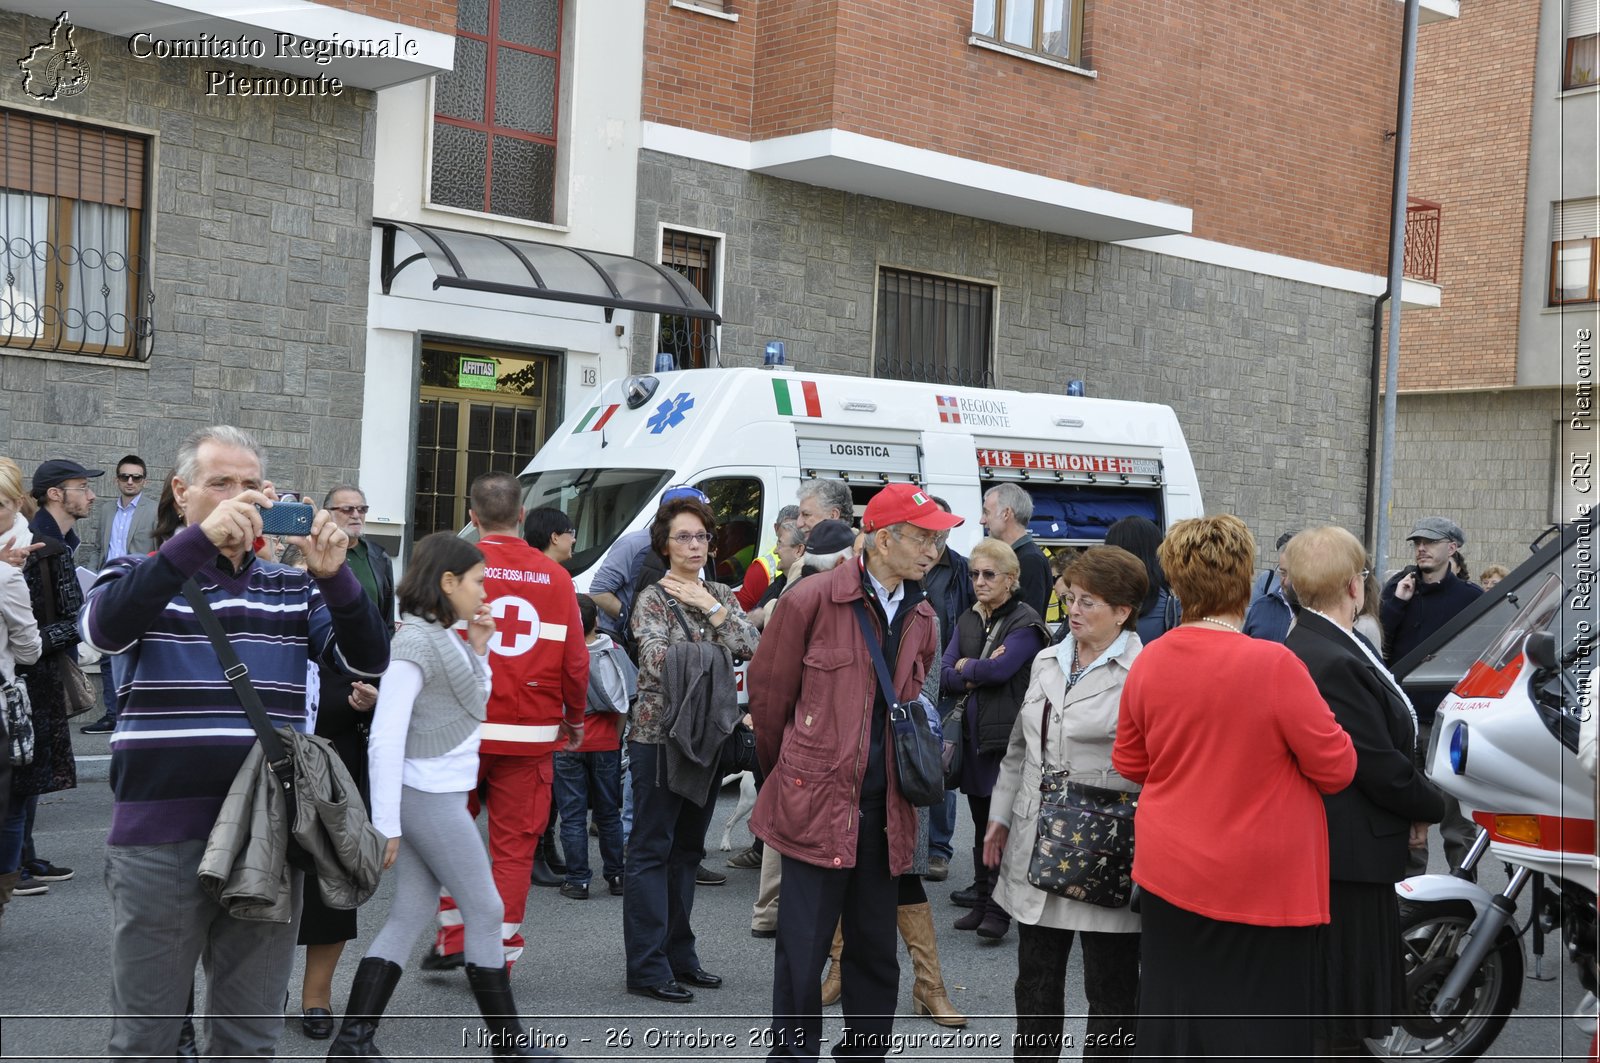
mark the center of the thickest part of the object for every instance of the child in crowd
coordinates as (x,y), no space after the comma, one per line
(590,777)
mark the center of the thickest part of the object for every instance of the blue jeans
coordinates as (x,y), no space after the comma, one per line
(13,831)
(668,843)
(942,826)
(113,667)
(585,781)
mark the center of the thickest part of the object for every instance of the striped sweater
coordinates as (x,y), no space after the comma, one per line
(182,734)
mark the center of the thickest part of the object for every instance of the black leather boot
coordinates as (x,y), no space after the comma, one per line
(491,986)
(369,995)
(543,874)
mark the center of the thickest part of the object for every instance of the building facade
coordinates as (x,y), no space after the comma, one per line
(1492,381)
(188,205)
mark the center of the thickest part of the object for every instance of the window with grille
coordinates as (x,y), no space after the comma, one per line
(1582,62)
(933,329)
(74,276)
(1574,241)
(1052,28)
(692,341)
(495,114)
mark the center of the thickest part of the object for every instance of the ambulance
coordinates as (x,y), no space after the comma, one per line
(748,437)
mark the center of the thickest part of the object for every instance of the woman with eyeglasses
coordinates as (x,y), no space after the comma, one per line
(989,656)
(1371,822)
(668,839)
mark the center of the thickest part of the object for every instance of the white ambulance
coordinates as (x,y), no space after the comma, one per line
(748,437)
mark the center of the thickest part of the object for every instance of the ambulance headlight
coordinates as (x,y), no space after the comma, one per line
(638,389)
(1458,749)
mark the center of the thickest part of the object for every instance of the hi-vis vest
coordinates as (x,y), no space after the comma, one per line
(537,656)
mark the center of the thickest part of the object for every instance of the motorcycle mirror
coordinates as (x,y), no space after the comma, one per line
(1540,648)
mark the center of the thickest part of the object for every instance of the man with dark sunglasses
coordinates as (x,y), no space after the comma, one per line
(369,561)
(131,530)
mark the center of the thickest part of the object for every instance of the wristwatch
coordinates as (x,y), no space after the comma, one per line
(714,610)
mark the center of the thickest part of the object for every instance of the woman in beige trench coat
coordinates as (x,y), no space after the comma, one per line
(1079,683)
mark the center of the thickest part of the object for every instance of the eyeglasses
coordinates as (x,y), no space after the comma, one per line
(131,477)
(1082,601)
(351,511)
(1363,574)
(979,574)
(80,487)
(921,542)
(690,538)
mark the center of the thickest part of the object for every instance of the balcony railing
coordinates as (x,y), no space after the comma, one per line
(1422,240)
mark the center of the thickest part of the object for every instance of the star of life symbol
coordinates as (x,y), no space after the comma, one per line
(670,414)
(516,626)
(55,69)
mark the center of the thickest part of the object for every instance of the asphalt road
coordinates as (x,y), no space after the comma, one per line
(53,994)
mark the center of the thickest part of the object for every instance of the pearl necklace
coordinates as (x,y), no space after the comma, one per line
(1221,623)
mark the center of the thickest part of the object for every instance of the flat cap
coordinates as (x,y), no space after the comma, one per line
(1435,528)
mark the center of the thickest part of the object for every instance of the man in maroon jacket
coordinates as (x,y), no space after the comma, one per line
(832,805)
(540,665)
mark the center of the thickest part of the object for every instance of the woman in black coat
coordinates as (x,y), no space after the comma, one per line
(1371,822)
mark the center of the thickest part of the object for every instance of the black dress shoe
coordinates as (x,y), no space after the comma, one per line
(316,1023)
(578,891)
(699,977)
(669,992)
(433,961)
(763,933)
(614,884)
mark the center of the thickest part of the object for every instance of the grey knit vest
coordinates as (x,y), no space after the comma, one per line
(452,702)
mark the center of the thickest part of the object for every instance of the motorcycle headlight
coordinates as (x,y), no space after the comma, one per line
(1458,749)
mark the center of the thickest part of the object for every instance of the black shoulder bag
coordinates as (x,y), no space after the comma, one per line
(917,753)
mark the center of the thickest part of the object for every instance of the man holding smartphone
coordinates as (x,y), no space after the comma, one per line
(1418,601)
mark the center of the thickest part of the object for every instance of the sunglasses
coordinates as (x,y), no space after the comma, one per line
(351,511)
(986,574)
(131,478)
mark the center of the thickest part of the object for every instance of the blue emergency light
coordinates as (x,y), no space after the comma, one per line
(774,353)
(1075,389)
(665,363)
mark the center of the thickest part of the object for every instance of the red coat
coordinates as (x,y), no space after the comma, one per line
(811,692)
(537,656)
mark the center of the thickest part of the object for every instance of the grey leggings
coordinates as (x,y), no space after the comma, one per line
(439,845)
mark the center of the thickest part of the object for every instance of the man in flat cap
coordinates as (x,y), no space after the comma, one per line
(1417,602)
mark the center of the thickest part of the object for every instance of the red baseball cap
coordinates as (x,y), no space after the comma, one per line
(906,504)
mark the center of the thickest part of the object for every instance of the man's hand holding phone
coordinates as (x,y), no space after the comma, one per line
(325,547)
(1407,585)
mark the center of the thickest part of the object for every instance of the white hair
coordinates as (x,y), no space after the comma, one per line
(187,467)
(1011,496)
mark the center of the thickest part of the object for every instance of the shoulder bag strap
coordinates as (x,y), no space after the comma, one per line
(1044,736)
(238,677)
(677,610)
(875,648)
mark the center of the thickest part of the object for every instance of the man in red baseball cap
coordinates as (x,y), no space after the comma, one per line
(832,806)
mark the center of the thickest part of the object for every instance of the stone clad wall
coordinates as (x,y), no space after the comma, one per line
(262,226)
(1269,378)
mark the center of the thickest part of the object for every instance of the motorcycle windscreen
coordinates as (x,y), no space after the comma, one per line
(1435,667)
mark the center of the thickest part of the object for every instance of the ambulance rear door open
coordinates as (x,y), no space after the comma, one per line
(1078,489)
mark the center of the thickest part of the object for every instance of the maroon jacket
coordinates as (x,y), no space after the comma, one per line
(811,689)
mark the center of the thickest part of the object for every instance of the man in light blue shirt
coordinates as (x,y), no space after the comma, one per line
(131,531)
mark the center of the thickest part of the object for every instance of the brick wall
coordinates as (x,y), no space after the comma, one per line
(439,15)
(1267,121)
(262,230)
(1486,460)
(1269,378)
(1473,74)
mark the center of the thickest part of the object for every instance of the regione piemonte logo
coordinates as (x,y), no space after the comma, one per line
(55,69)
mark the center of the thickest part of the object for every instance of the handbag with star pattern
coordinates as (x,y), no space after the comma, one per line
(1084,847)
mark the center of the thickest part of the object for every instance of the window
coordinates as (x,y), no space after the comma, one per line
(736,501)
(1582,66)
(1051,28)
(692,341)
(1574,234)
(72,201)
(933,329)
(494,123)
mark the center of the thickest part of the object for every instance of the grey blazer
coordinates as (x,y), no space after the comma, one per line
(141,533)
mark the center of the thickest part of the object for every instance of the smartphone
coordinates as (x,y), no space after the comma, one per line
(287,518)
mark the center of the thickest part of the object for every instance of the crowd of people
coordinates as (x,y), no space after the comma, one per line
(1270,827)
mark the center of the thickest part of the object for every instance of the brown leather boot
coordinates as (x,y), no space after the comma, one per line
(928,996)
(833,982)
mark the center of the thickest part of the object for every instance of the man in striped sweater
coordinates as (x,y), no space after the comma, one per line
(182,736)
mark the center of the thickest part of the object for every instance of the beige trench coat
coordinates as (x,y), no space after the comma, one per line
(1082,730)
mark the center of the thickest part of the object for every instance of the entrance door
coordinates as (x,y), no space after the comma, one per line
(478,410)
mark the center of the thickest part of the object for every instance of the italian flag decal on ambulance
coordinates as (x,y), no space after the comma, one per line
(797,398)
(596,418)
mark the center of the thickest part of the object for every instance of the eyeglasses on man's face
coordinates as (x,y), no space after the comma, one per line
(690,538)
(352,511)
(922,541)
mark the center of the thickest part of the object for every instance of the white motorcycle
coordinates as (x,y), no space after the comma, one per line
(1504,743)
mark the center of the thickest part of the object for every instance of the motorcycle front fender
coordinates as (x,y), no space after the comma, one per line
(1428,889)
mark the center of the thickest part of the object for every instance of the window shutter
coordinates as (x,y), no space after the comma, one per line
(1576,219)
(1583,18)
(55,158)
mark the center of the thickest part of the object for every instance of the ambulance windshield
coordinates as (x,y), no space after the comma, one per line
(599,502)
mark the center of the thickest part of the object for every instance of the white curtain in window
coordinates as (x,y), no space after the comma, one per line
(983,17)
(97,285)
(1057,32)
(1572,270)
(1019,22)
(24,226)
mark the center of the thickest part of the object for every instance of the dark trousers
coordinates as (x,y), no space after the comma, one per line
(587,781)
(814,901)
(1110,982)
(667,843)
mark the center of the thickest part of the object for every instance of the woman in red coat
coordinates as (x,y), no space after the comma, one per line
(1235,748)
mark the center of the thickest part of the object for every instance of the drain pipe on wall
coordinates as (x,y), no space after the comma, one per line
(1397,261)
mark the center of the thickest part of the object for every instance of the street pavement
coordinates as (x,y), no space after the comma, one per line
(569,984)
